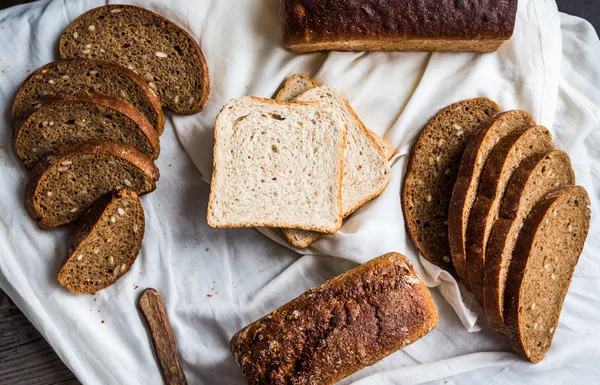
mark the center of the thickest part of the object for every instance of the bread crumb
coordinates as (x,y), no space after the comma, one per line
(209,295)
(102,321)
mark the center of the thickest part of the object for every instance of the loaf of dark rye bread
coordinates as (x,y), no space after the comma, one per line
(542,267)
(329,332)
(76,75)
(104,244)
(64,185)
(80,117)
(155,48)
(536,176)
(396,25)
(431,172)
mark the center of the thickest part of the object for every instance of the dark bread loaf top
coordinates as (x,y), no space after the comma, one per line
(76,75)
(104,243)
(541,271)
(64,185)
(155,48)
(338,328)
(431,172)
(80,117)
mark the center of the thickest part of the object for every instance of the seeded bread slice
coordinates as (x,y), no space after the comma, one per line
(431,172)
(104,244)
(277,164)
(81,117)
(536,176)
(64,185)
(542,267)
(76,75)
(155,48)
(473,160)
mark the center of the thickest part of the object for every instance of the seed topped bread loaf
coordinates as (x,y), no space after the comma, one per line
(80,117)
(277,164)
(541,271)
(64,185)
(76,75)
(150,45)
(329,332)
(536,176)
(104,244)
(431,173)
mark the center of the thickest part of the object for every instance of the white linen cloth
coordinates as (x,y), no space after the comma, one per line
(214,282)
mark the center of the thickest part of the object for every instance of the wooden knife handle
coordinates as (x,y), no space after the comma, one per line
(168,357)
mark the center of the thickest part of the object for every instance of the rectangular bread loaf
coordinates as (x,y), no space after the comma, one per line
(329,332)
(397,25)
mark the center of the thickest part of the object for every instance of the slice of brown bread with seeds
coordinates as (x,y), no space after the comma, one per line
(104,244)
(155,48)
(542,267)
(475,156)
(536,176)
(500,167)
(76,75)
(64,185)
(81,117)
(431,172)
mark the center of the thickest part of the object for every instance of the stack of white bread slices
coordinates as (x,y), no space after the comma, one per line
(301,162)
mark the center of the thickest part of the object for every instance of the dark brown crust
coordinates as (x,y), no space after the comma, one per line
(310,25)
(205,76)
(329,332)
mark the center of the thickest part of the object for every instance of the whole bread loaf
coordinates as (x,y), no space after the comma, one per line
(329,332)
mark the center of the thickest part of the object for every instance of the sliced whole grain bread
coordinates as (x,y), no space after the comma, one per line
(547,251)
(431,172)
(475,156)
(64,185)
(104,244)
(277,164)
(536,176)
(499,168)
(150,45)
(80,117)
(76,75)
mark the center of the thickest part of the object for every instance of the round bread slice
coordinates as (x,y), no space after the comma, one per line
(147,43)
(64,185)
(431,173)
(500,167)
(104,244)
(541,271)
(82,117)
(76,75)
(464,194)
(536,176)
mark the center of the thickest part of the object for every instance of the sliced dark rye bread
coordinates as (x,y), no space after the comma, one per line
(81,117)
(536,176)
(474,158)
(104,244)
(71,76)
(64,185)
(431,173)
(155,48)
(541,271)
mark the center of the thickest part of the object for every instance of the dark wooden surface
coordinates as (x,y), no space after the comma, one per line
(27,359)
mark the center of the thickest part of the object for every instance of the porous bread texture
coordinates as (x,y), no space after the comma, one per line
(66,77)
(547,251)
(474,158)
(431,172)
(80,117)
(536,176)
(506,156)
(277,164)
(104,244)
(155,48)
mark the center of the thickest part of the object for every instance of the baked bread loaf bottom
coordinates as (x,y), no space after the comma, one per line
(329,332)
(396,25)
